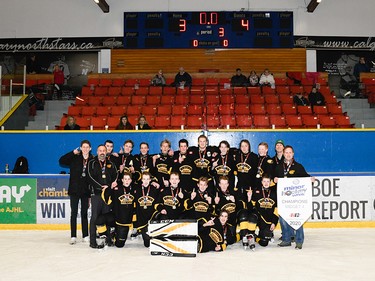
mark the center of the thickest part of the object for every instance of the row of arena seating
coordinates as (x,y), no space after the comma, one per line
(369,88)
(193,99)
(107,82)
(102,91)
(219,122)
(213,109)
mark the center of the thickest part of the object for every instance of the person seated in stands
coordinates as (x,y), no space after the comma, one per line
(124,124)
(267,79)
(142,123)
(253,79)
(239,80)
(299,99)
(71,124)
(316,98)
(361,66)
(295,76)
(182,79)
(159,79)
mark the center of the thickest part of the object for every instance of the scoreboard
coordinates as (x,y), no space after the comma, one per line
(153,30)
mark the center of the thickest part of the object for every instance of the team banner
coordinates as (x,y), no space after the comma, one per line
(294,200)
(18,201)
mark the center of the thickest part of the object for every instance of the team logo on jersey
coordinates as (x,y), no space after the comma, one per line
(145,201)
(215,236)
(186,170)
(243,168)
(222,170)
(201,163)
(229,207)
(109,166)
(126,170)
(162,168)
(201,207)
(292,172)
(126,199)
(266,203)
(270,161)
(170,200)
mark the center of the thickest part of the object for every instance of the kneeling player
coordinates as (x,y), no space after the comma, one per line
(123,206)
(264,200)
(215,234)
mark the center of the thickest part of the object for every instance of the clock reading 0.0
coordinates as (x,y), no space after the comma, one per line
(208,30)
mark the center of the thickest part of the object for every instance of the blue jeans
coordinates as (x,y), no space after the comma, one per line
(288,232)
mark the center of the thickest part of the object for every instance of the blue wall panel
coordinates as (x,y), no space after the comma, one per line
(319,150)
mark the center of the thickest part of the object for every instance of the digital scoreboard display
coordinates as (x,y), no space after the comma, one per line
(154,30)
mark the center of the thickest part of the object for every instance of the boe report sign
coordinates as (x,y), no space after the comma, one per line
(294,200)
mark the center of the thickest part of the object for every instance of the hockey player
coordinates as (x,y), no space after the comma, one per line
(122,197)
(127,160)
(246,167)
(200,203)
(229,201)
(265,163)
(163,163)
(215,234)
(145,198)
(224,164)
(171,202)
(143,161)
(182,163)
(264,200)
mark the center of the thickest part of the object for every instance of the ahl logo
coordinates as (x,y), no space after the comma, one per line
(7,192)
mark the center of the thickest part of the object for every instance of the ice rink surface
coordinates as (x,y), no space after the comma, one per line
(327,254)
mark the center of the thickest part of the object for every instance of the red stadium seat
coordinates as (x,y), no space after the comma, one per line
(127,91)
(165,109)
(103,111)
(289,109)
(304,110)
(182,99)
(93,82)
(196,99)
(294,89)
(278,121)
(156,91)
(118,82)
(326,121)
(131,82)
(134,110)
(167,100)
(226,92)
(87,91)
(294,121)
(195,109)
(282,90)
(98,123)
(271,99)
(179,110)
(94,101)
(138,100)
(101,91)
(244,99)
(214,100)
(213,121)
(255,99)
(197,90)
(141,91)
(212,109)
(105,82)
(149,110)
(118,110)
(280,81)
(242,109)
(112,122)
(198,82)
(177,121)
(226,120)
(144,82)
(211,90)
(261,122)
(273,109)
(155,100)
(254,91)
(212,82)
(240,91)
(310,121)
(84,122)
(194,122)
(123,100)
(109,101)
(88,111)
(244,121)
(257,109)
(81,101)
(74,110)
(169,91)
(226,109)
(227,99)
(268,91)
(320,110)
(343,121)
(286,99)
(114,91)
(334,109)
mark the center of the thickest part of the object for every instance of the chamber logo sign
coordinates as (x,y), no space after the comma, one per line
(18,201)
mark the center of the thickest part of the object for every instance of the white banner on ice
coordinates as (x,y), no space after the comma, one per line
(294,200)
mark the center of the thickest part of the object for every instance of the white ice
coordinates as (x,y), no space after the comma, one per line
(327,254)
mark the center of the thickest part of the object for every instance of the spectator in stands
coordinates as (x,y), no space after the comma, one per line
(142,123)
(32,65)
(253,79)
(58,80)
(71,124)
(316,98)
(295,76)
(361,66)
(267,79)
(182,79)
(159,79)
(299,99)
(239,80)
(124,124)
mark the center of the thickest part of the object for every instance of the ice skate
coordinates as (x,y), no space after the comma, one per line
(245,243)
(251,241)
